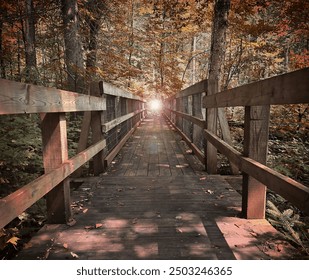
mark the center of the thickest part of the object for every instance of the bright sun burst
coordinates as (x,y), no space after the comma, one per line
(155,105)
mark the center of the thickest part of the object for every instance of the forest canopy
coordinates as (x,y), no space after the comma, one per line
(151,47)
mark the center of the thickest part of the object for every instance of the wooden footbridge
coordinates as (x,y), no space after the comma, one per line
(151,197)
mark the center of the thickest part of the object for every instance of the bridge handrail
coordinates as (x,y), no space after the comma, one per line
(290,88)
(52,104)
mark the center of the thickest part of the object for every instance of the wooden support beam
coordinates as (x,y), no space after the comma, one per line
(192,90)
(55,152)
(255,147)
(20,98)
(290,88)
(110,125)
(96,89)
(288,188)
(14,204)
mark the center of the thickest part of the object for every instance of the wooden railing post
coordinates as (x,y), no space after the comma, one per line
(55,152)
(96,89)
(255,147)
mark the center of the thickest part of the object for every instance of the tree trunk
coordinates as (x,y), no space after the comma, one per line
(214,79)
(73,47)
(30,72)
(2,64)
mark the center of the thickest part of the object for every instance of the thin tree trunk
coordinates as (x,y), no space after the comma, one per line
(217,52)
(31,73)
(2,64)
(73,46)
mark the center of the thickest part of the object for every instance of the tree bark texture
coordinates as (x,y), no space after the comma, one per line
(30,73)
(217,52)
(73,46)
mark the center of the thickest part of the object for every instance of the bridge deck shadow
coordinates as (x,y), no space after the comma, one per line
(156,202)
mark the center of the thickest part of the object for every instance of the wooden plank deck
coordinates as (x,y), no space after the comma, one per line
(156,202)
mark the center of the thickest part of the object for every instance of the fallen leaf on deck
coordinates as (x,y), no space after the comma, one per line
(65,245)
(85,210)
(203,178)
(75,256)
(98,225)
(13,240)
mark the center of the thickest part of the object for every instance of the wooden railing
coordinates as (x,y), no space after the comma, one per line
(185,112)
(112,115)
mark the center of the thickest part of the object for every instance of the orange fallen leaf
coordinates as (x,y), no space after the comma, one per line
(98,225)
(65,245)
(13,240)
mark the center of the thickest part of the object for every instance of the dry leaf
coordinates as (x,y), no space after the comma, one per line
(203,178)
(65,245)
(75,256)
(85,210)
(13,240)
(98,225)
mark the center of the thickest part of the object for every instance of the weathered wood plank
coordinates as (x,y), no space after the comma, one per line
(290,88)
(255,147)
(195,120)
(194,89)
(55,152)
(110,125)
(96,129)
(14,204)
(288,188)
(20,98)
(113,90)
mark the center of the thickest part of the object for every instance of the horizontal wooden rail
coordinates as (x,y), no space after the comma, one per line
(14,204)
(194,89)
(194,148)
(290,88)
(195,120)
(109,158)
(288,188)
(110,125)
(113,90)
(20,98)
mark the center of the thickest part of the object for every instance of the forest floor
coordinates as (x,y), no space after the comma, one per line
(288,154)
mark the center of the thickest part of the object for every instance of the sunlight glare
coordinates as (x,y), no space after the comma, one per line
(155,105)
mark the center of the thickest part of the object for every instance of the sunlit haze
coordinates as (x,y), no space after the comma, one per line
(155,105)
